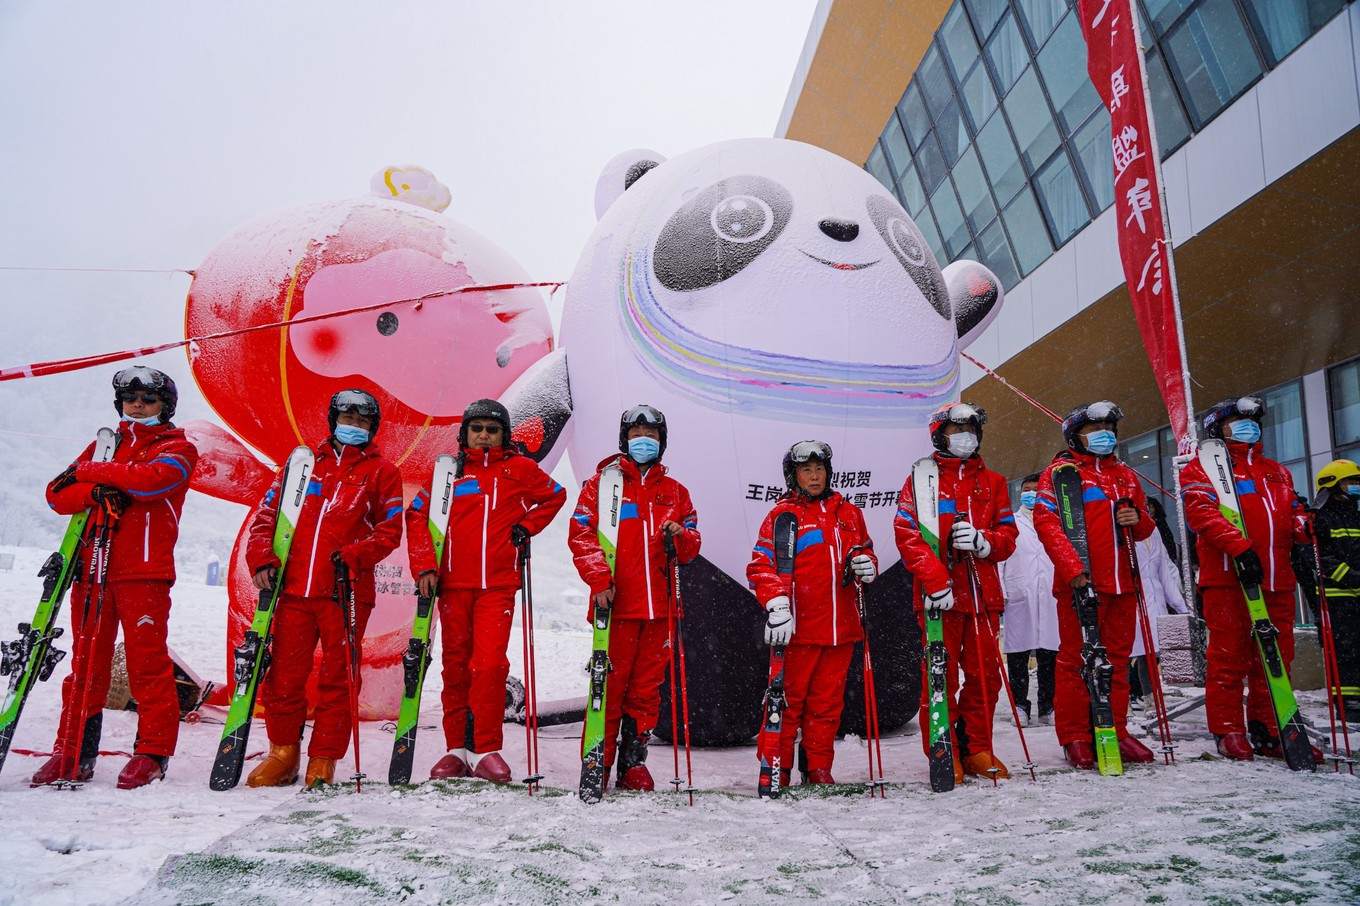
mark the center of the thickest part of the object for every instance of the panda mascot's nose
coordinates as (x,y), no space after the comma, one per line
(840,230)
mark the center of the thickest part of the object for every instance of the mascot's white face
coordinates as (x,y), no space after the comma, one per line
(761,292)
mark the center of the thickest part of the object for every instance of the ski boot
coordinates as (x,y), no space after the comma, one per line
(820,777)
(985,764)
(1080,754)
(142,770)
(1131,750)
(320,772)
(453,764)
(632,768)
(1235,746)
(490,766)
(279,768)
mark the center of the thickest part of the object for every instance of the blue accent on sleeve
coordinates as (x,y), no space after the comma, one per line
(809,539)
(391,511)
(691,523)
(269,497)
(1049,505)
(313,488)
(419,503)
(467,486)
(1090,495)
(581,519)
(183,477)
(1007,520)
(628,511)
(903,514)
(555,486)
(764,551)
(949,506)
(1245,487)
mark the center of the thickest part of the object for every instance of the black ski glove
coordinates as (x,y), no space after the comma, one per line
(519,535)
(111,500)
(64,480)
(1249,571)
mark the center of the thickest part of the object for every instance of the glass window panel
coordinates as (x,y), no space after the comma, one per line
(979,98)
(1000,158)
(1062,199)
(926,223)
(1029,236)
(910,191)
(996,254)
(930,165)
(1165,12)
(1031,120)
(985,13)
(973,191)
(1063,65)
(1040,16)
(914,115)
(1344,384)
(1283,25)
(1213,58)
(895,145)
(878,166)
(1172,126)
(1008,54)
(952,132)
(1282,430)
(957,37)
(1091,145)
(953,230)
(934,81)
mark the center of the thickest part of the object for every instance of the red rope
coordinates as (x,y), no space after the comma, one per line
(38,369)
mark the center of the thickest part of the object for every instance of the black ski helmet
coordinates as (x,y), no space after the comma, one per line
(642,414)
(140,377)
(800,453)
(360,401)
(1080,417)
(1252,407)
(955,414)
(485,408)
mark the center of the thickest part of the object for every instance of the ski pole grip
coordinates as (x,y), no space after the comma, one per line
(668,542)
(848,574)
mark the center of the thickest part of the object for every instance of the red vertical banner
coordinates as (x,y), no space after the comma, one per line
(1115,64)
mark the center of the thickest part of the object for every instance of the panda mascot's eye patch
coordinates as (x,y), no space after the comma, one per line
(909,247)
(719,231)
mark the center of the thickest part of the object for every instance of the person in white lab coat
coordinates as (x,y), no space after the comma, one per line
(1031,618)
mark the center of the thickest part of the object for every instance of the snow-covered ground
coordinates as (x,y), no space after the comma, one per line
(1202,830)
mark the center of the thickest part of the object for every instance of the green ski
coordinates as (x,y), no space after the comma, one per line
(592,738)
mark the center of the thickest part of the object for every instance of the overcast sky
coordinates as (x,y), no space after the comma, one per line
(138,134)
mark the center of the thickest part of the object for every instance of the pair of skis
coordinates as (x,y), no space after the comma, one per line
(31,659)
(610,512)
(770,783)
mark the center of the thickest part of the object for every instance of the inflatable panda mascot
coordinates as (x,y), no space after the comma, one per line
(760,292)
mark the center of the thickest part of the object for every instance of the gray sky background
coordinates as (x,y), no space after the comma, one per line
(138,134)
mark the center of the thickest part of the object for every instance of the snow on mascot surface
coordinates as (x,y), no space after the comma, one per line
(761,292)
(424,363)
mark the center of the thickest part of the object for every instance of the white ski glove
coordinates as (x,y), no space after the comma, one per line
(863,566)
(941,600)
(966,538)
(778,622)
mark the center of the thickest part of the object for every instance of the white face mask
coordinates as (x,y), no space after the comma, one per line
(150,421)
(963,445)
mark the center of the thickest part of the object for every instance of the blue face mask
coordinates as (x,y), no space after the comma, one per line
(643,450)
(351,435)
(150,421)
(1353,490)
(1246,431)
(1027,499)
(1101,443)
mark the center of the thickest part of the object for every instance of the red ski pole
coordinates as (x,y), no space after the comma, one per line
(677,628)
(979,619)
(530,669)
(1336,699)
(1149,643)
(344,596)
(106,520)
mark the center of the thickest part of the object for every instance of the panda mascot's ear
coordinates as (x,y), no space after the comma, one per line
(975,295)
(621,172)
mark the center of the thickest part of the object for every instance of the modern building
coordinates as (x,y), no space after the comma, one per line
(979,116)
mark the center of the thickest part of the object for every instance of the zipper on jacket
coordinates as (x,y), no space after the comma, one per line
(833,551)
(146,538)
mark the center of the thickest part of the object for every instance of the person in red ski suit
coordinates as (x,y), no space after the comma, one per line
(1113,501)
(138,495)
(816,614)
(501,498)
(351,513)
(1274,521)
(639,592)
(976,520)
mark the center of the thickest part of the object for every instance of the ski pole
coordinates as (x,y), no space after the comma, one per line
(530,668)
(871,734)
(1336,701)
(344,596)
(106,519)
(678,657)
(1149,645)
(979,618)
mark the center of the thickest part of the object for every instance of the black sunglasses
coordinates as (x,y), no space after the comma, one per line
(484,427)
(132,396)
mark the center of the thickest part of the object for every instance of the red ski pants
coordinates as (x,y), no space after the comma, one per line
(1116,617)
(638,657)
(299,623)
(142,608)
(972,645)
(814,692)
(1233,657)
(474,625)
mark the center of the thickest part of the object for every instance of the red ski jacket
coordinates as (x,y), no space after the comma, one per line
(641,585)
(499,489)
(968,489)
(824,610)
(1273,517)
(353,506)
(152,466)
(1105,480)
